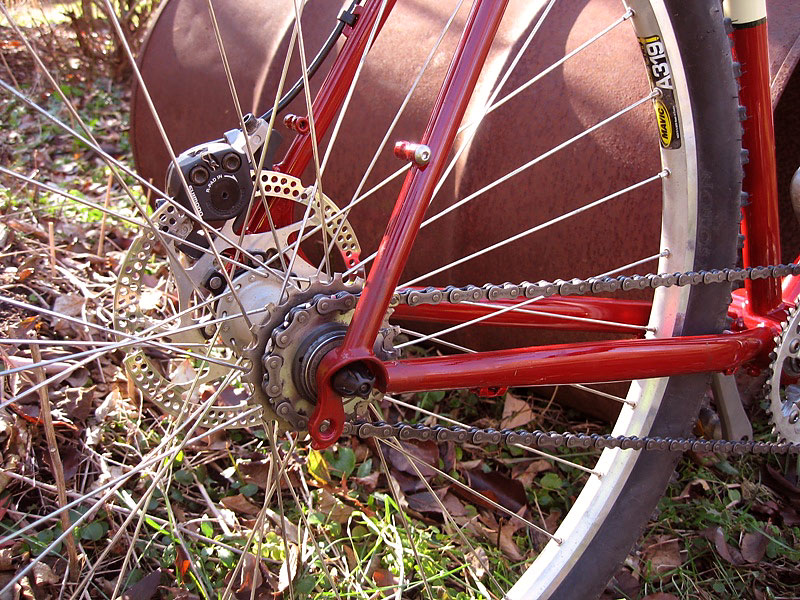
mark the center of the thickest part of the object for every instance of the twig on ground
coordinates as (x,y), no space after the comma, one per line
(102,239)
(55,462)
(51,237)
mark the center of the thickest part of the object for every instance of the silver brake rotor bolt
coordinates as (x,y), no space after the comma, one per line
(794,346)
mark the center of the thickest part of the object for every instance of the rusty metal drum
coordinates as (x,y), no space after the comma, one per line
(181,66)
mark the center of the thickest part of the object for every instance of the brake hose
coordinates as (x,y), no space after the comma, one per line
(347,17)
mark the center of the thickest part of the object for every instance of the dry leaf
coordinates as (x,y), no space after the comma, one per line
(753,546)
(525,474)
(149,299)
(182,562)
(664,555)
(385,579)
(78,403)
(716,536)
(425,453)
(43,574)
(516,412)
(318,467)
(256,472)
(288,569)
(69,305)
(425,502)
(507,543)
(335,509)
(250,574)
(240,505)
(183,374)
(144,588)
(109,406)
(626,582)
(495,486)
(6,556)
(478,561)
(286,528)
(370,482)
(660,596)
(694,489)
(409,484)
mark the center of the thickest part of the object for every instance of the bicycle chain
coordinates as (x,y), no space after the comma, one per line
(593,285)
(552,440)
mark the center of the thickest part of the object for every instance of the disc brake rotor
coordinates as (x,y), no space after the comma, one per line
(257,288)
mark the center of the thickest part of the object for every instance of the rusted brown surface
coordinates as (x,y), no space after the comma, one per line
(181,65)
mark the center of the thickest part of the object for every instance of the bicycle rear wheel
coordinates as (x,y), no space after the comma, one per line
(686,50)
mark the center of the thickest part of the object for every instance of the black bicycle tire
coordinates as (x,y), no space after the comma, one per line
(710,72)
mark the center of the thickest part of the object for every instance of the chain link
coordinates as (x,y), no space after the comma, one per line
(593,285)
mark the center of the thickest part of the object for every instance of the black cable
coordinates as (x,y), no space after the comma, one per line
(346,18)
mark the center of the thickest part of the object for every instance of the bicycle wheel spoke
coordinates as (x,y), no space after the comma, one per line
(567,317)
(191,424)
(133,339)
(418,336)
(526,448)
(116,165)
(472,126)
(284,475)
(531,230)
(517,171)
(391,483)
(208,231)
(237,105)
(401,110)
(20,574)
(602,394)
(317,196)
(608,29)
(558,459)
(346,211)
(448,517)
(457,483)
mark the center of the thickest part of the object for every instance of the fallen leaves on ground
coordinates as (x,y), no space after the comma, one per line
(716,536)
(663,555)
(333,508)
(499,488)
(425,456)
(240,505)
(517,412)
(753,546)
(145,588)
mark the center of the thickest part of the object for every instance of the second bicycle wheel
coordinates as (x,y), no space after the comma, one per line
(228,326)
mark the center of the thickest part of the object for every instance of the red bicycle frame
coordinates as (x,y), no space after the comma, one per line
(757,308)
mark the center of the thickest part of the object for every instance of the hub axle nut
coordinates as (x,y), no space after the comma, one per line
(355,380)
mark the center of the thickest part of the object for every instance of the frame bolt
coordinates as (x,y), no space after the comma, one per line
(198,175)
(297,123)
(419,154)
(215,283)
(250,123)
